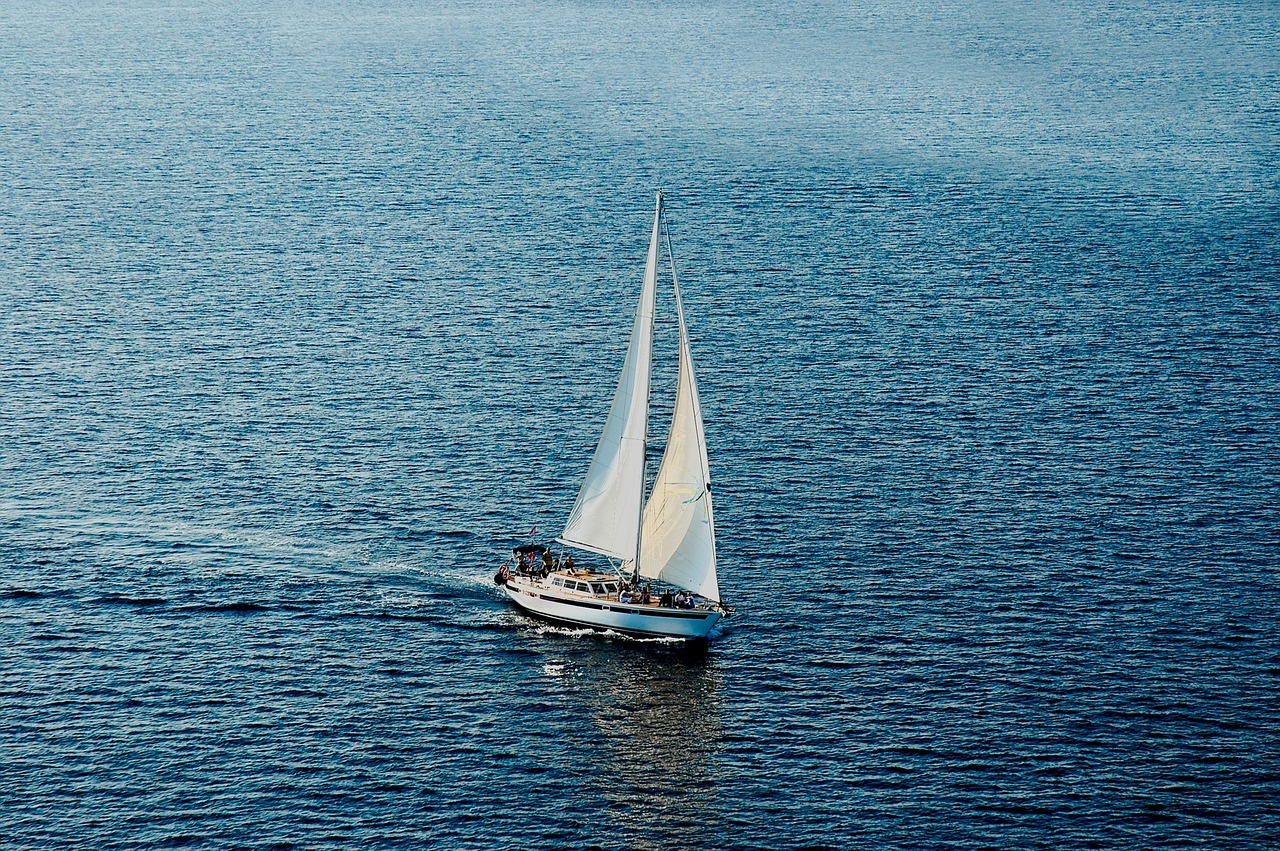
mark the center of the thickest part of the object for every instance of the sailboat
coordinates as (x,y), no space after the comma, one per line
(661,550)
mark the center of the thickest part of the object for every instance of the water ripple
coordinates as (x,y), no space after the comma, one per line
(308,314)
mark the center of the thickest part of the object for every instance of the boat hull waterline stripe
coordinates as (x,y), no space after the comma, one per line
(631,633)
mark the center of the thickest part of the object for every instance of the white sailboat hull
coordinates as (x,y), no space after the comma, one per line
(556,605)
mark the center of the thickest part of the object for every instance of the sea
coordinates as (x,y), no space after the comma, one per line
(311,311)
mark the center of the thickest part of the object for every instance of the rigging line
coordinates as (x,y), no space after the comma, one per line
(675,284)
(654,247)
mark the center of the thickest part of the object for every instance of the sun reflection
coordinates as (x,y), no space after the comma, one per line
(656,711)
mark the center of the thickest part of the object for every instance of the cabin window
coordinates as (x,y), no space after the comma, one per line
(611,588)
(557,582)
(597,588)
(582,586)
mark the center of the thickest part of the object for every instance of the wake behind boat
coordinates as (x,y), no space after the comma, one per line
(661,551)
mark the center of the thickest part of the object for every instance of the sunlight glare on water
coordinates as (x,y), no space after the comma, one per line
(309,312)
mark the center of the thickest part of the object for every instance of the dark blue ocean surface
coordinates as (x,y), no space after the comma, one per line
(308,312)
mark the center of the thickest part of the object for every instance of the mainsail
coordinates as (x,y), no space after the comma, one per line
(678,537)
(606,516)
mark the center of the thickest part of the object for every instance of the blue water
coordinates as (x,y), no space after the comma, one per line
(308,312)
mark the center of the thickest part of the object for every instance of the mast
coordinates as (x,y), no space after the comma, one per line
(654,248)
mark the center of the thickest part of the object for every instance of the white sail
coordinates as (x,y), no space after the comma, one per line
(606,516)
(678,537)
